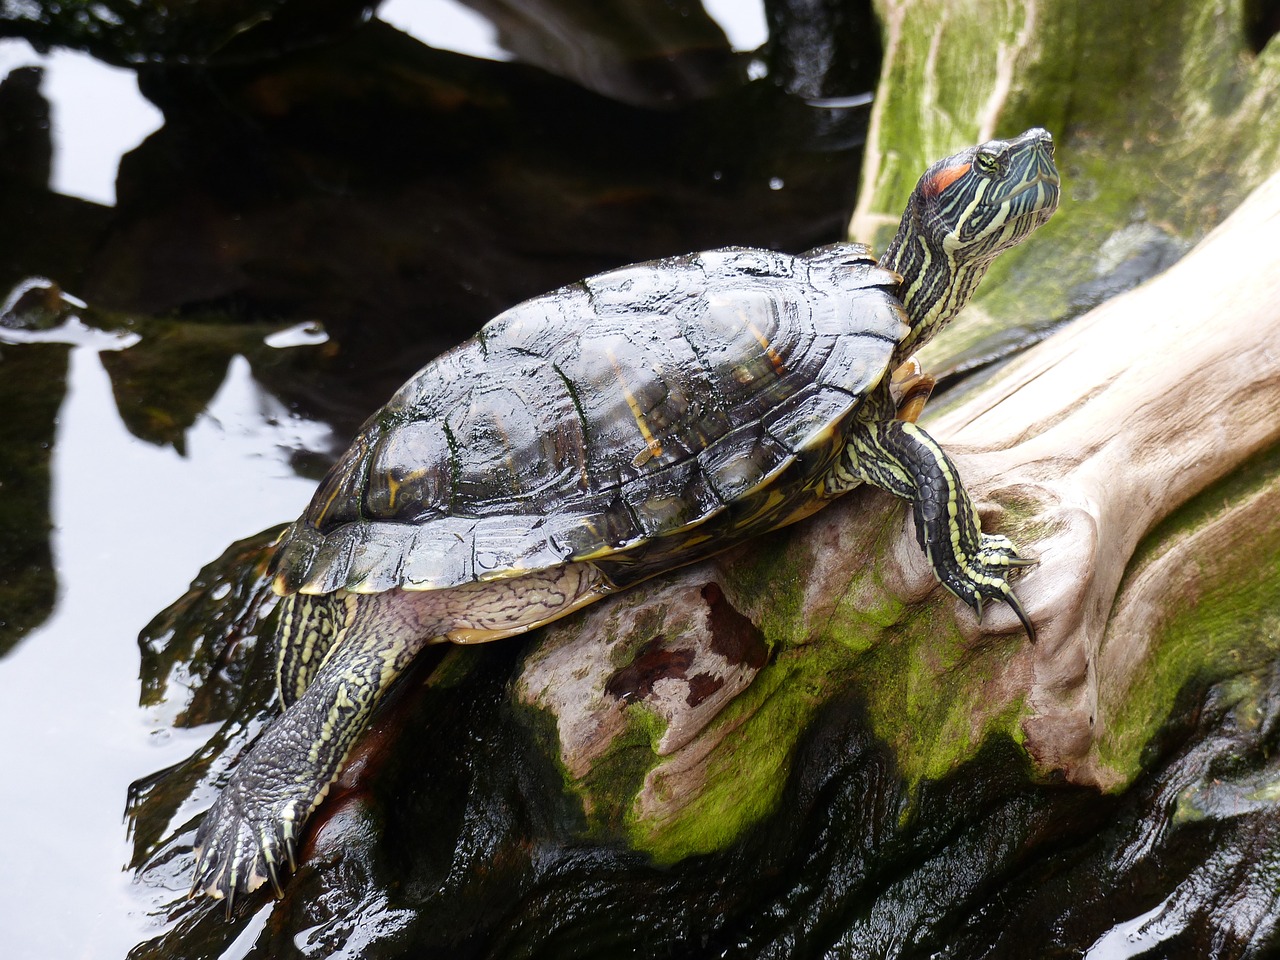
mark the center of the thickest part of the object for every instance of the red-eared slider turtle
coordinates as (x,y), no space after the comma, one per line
(589,438)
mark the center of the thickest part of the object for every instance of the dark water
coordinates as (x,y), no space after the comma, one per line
(390,193)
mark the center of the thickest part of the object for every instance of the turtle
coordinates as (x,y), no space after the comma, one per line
(613,429)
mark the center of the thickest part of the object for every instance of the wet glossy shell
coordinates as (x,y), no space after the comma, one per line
(635,413)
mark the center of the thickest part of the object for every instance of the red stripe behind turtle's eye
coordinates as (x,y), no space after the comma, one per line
(944,178)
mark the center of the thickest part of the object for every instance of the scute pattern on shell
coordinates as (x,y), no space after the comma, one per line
(620,412)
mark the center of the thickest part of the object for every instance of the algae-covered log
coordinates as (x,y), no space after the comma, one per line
(1130,452)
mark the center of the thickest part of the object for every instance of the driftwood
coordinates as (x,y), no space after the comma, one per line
(1111,426)
(1078,451)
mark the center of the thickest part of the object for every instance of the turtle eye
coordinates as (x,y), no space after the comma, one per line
(988,163)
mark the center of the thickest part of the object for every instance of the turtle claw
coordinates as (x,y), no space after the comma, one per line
(1018,562)
(997,589)
(1012,600)
(240,846)
(274,875)
(998,551)
(983,578)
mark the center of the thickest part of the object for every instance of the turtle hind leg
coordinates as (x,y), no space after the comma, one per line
(309,627)
(251,833)
(900,457)
(245,841)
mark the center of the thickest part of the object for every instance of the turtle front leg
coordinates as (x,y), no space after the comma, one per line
(900,457)
(251,833)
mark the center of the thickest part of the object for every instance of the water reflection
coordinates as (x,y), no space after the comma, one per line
(133,523)
(97,114)
(445,25)
(329,202)
(1133,938)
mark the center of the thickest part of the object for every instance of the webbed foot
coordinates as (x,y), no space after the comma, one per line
(245,840)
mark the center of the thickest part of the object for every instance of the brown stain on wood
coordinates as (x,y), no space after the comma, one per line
(703,685)
(655,661)
(733,635)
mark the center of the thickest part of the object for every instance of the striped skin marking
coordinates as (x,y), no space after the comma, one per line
(967,210)
(341,709)
(310,628)
(481,613)
(253,827)
(274,789)
(900,457)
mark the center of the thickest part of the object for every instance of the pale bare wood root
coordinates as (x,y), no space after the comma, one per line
(1110,426)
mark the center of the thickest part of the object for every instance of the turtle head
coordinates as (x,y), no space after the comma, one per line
(965,211)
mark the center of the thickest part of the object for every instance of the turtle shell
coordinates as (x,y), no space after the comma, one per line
(642,415)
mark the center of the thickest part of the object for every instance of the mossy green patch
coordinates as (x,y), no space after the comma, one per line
(775,571)
(610,787)
(867,607)
(454,667)
(924,690)
(1225,623)
(926,696)
(923,697)
(745,774)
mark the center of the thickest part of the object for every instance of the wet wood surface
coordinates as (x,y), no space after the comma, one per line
(1109,427)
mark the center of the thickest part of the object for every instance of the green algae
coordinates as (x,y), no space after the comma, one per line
(1226,621)
(1163,114)
(609,788)
(774,571)
(455,668)
(926,697)
(926,692)
(745,775)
